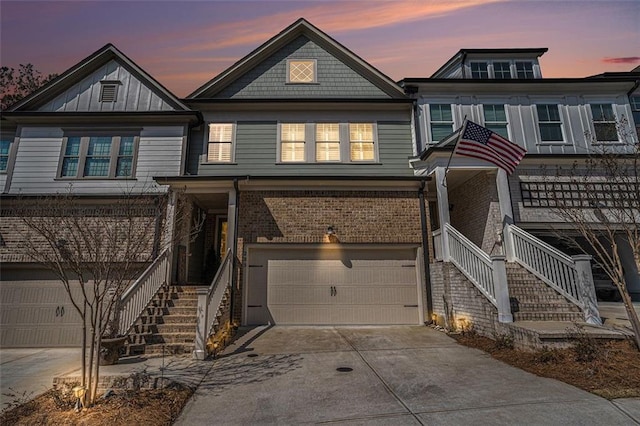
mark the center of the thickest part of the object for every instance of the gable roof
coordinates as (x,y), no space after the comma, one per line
(298,28)
(84,68)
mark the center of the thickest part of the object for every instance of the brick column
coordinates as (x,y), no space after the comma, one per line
(501,288)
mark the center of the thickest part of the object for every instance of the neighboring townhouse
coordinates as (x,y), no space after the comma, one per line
(102,130)
(479,211)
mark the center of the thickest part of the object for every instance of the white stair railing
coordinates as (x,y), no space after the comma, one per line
(137,297)
(569,276)
(209,301)
(487,273)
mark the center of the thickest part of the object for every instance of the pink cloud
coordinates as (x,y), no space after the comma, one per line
(622,60)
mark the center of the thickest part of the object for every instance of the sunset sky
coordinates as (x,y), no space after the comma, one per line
(183,44)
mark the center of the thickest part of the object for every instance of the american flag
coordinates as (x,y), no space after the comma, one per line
(479,142)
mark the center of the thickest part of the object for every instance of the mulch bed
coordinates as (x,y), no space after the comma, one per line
(610,369)
(157,407)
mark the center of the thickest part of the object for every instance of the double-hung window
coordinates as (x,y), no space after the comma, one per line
(501,70)
(220,143)
(549,123)
(327,142)
(361,142)
(440,121)
(495,119)
(479,70)
(292,142)
(604,123)
(98,156)
(524,69)
(5,151)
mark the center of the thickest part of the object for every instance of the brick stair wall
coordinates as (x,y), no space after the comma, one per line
(167,325)
(533,300)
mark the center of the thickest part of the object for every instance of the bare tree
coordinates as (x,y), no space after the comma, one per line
(17,84)
(99,247)
(600,197)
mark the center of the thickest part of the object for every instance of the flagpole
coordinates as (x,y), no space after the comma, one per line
(446,169)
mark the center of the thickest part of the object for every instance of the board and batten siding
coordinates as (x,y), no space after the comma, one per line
(38,156)
(132,94)
(522,118)
(256,149)
(268,79)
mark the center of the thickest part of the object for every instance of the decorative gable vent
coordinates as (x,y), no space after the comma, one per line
(109,91)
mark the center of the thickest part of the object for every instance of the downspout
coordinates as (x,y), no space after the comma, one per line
(425,252)
(234,275)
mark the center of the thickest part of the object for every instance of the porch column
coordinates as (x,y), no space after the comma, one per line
(200,351)
(231,219)
(443,209)
(506,211)
(587,289)
(501,289)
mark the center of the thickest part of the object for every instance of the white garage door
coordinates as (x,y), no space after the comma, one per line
(309,286)
(37,314)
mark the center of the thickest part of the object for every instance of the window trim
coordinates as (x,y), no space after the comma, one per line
(506,117)
(374,137)
(316,142)
(114,154)
(592,123)
(430,121)
(315,70)
(306,143)
(232,159)
(536,117)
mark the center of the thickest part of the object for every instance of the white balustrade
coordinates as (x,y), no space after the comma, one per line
(139,294)
(569,276)
(209,301)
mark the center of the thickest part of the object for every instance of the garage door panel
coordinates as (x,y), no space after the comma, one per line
(297,295)
(306,286)
(376,295)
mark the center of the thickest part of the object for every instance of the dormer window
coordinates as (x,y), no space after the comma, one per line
(501,70)
(109,91)
(479,70)
(301,71)
(524,69)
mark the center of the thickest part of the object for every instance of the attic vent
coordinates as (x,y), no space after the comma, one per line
(108,91)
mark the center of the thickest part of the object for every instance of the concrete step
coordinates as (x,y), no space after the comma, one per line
(169,349)
(167,319)
(165,328)
(162,303)
(170,338)
(537,298)
(173,310)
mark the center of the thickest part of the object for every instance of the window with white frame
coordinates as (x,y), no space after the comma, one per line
(495,119)
(440,121)
(220,143)
(479,70)
(361,142)
(524,69)
(292,142)
(604,122)
(327,142)
(501,70)
(635,112)
(99,156)
(549,123)
(301,71)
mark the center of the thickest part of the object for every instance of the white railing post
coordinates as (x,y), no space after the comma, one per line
(200,351)
(587,289)
(509,249)
(446,247)
(501,288)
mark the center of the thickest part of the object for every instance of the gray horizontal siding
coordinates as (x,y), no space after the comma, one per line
(256,155)
(37,159)
(334,78)
(132,95)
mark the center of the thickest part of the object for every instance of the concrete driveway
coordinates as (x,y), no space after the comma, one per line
(383,375)
(30,372)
